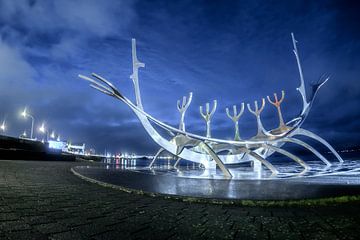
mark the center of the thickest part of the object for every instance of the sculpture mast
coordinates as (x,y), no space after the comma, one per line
(301,88)
(182,109)
(135,76)
(207,116)
(260,128)
(277,104)
(235,118)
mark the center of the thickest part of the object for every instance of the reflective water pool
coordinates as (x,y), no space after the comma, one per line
(245,171)
(192,181)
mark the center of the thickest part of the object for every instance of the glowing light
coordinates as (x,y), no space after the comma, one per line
(42,128)
(52,135)
(24,113)
(3,127)
(57,145)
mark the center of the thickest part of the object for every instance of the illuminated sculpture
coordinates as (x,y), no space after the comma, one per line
(182,109)
(211,152)
(261,132)
(207,116)
(235,119)
(277,103)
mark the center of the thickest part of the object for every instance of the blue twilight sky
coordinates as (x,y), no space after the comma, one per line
(233,51)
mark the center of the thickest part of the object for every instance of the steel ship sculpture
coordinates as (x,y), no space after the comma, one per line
(212,152)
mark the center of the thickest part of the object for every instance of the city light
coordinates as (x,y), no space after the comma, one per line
(23,135)
(43,129)
(52,135)
(24,113)
(3,126)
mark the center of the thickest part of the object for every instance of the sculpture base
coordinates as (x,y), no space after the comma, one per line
(200,183)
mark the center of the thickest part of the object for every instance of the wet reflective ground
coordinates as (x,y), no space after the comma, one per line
(190,180)
(292,170)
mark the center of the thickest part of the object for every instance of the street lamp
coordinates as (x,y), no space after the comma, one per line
(26,114)
(44,130)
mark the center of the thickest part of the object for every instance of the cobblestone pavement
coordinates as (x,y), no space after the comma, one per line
(44,200)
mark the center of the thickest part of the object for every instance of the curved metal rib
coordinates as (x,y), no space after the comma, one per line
(312,135)
(307,146)
(155,157)
(177,162)
(263,161)
(216,158)
(301,88)
(289,155)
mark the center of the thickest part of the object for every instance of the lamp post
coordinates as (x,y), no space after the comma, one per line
(26,114)
(44,130)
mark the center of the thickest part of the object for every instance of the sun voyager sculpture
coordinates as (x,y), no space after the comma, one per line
(212,152)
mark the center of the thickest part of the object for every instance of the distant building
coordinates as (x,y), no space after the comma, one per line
(60,145)
(67,147)
(91,151)
(76,148)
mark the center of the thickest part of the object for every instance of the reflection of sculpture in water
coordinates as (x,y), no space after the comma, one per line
(211,152)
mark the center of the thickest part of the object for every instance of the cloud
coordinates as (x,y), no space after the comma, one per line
(77,16)
(13,67)
(233,51)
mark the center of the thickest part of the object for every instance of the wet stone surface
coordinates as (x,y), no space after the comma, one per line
(44,200)
(207,184)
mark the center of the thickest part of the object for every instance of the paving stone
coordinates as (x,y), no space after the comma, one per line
(10,226)
(112,235)
(36,219)
(44,200)
(50,228)
(66,235)
(24,235)
(8,216)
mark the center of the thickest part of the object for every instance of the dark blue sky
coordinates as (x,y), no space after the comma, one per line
(233,51)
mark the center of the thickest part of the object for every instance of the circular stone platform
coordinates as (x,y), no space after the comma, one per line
(180,183)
